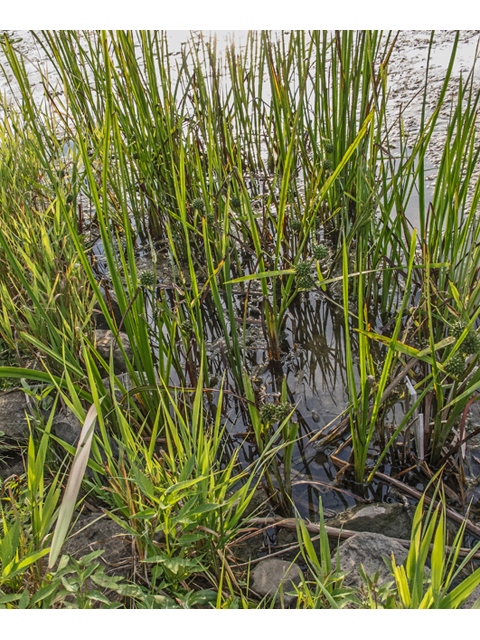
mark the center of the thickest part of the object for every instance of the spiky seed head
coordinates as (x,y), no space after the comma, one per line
(320,252)
(283,410)
(147,279)
(186,326)
(135,155)
(329,147)
(69,199)
(198,204)
(296,224)
(302,268)
(327,165)
(304,283)
(457,328)
(268,413)
(471,344)
(235,202)
(456,365)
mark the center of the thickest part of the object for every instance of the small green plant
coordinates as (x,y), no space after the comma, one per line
(268,413)
(325,590)
(418,589)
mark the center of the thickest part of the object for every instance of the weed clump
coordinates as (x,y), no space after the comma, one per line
(283,410)
(275,412)
(268,413)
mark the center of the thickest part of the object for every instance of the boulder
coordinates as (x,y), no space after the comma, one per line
(369,549)
(11,467)
(91,533)
(124,380)
(390,519)
(13,421)
(67,426)
(103,342)
(271,574)
(96,532)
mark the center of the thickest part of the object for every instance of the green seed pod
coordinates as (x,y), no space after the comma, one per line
(328,147)
(304,283)
(296,224)
(210,218)
(457,328)
(268,413)
(147,279)
(283,410)
(198,204)
(186,326)
(471,344)
(302,268)
(69,198)
(320,252)
(327,165)
(235,202)
(456,365)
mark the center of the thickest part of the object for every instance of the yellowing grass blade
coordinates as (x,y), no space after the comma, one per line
(73,485)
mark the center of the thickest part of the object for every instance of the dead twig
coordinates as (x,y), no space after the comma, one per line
(453,515)
(342,534)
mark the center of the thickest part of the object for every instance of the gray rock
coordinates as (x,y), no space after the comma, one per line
(96,532)
(368,549)
(124,379)
(103,342)
(13,423)
(114,308)
(13,467)
(92,533)
(67,426)
(272,573)
(392,520)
